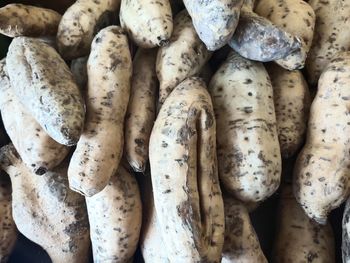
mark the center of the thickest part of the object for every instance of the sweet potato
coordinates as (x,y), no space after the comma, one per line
(346,233)
(248,150)
(36,148)
(298,238)
(26,20)
(151,238)
(154,21)
(256,38)
(332,34)
(100,147)
(215,21)
(321,171)
(8,230)
(115,219)
(45,86)
(241,242)
(295,17)
(292,103)
(46,211)
(186,188)
(184,57)
(141,111)
(81,22)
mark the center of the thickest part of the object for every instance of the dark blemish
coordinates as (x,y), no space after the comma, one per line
(247,81)
(41,171)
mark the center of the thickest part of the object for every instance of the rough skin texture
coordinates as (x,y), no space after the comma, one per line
(81,22)
(292,104)
(183,57)
(241,242)
(187,193)
(332,34)
(25,20)
(346,233)
(299,238)
(115,219)
(44,84)
(8,230)
(46,211)
(321,171)
(256,38)
(215,21)
(36,148)
(248,149)
(154,24)
(151,238)
(141,111)
(295,17)
(100,147)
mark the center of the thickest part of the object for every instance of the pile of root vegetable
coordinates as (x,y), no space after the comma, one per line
(163,124)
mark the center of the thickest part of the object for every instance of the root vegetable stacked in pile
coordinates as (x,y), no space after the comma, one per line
(205,98)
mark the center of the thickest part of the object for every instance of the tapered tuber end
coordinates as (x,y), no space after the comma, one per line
(320,220)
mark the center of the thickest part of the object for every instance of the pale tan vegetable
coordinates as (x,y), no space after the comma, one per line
(297,18)
(184,57)
(149,23)
(299,238)
(78,67)
(100,147)
(248,149)
(332,34)
(45,86)
(346,233)
(292,103)
(256,38)
(215,21)
(46,211)
(186,188)
(151,238)
(36,148)
(8,230)
(115,218)
(81,22)
(321,171)
(141,111)
(241,242)
(26,20)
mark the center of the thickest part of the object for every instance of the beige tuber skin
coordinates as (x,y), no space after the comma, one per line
(241,242)
(154,24)
(46,211)
(36,148)
(186,188)
(247,146)
(115,216)
(81,22)
(141,111)
(292,104)
(26,20)
(295,17)
(299,238)
(8,230)
(331,35)
(183,57)
(46,87)
(100,147)
(321,171)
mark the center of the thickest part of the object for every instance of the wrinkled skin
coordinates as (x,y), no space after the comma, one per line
(321,171)
(186,188)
